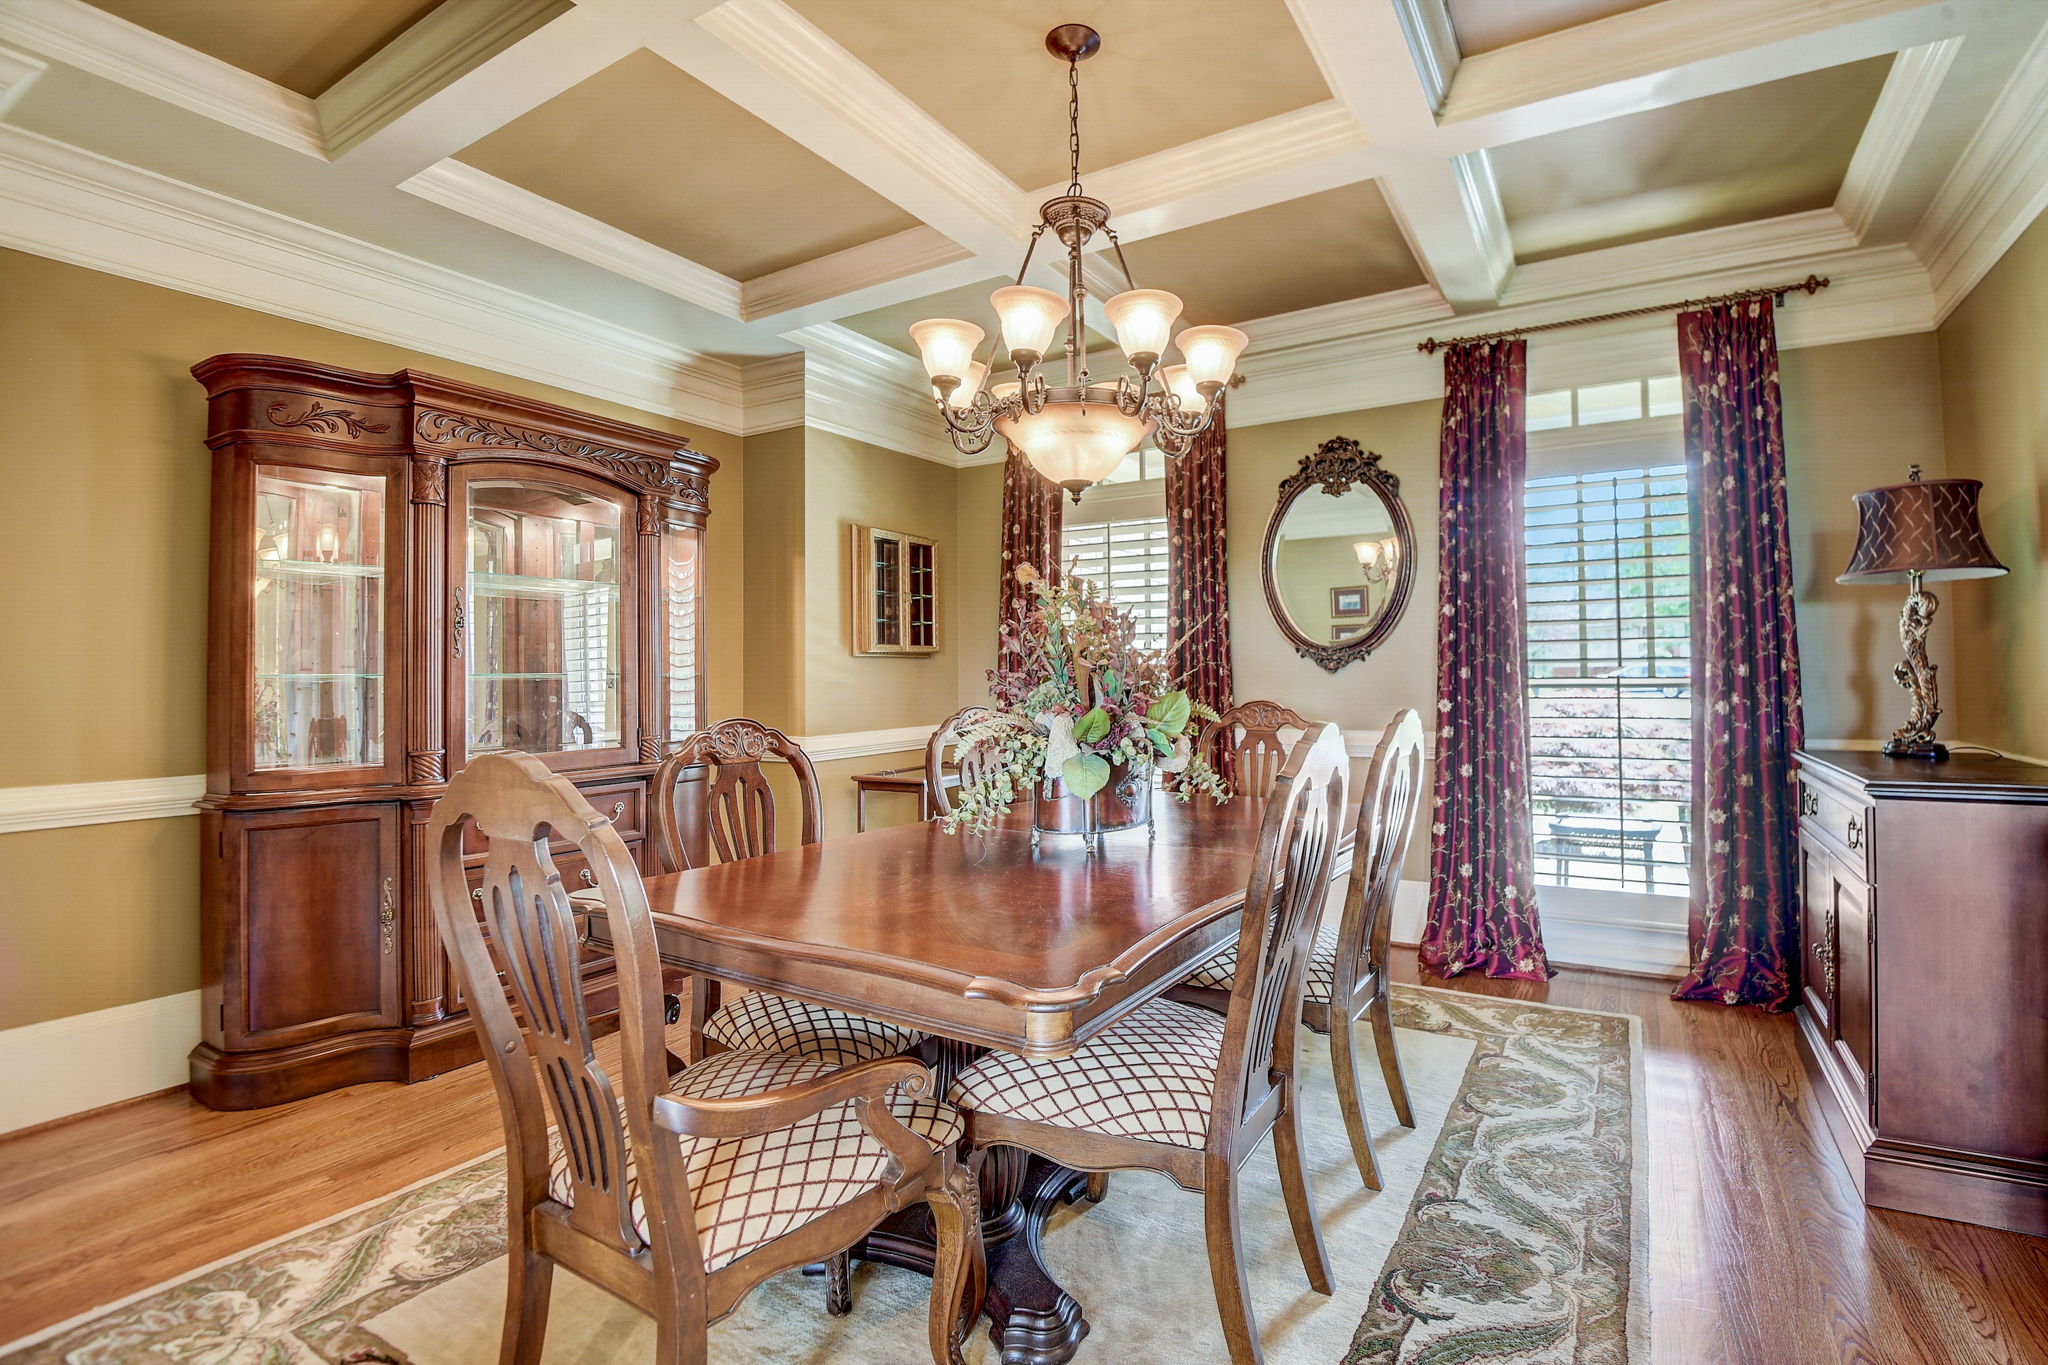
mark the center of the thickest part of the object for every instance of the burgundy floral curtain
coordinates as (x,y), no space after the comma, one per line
(1031,535)
(1745,915)
(1197,594)
(1482,900)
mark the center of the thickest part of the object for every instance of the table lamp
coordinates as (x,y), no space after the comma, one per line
(1905,533)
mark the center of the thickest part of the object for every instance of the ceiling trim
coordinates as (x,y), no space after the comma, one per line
(1433,43)
(774,390)
(72,205)
(904,265)
(1999,185)
(484,197)
(1789,241)
(77,34)
(862,389)
(18,71)
(1902,106)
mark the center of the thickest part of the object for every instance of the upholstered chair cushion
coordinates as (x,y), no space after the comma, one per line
(771,1023)
(1220,972)
(1150,1075)
(751,1190)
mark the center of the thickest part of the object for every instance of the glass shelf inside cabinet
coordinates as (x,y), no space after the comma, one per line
(544,650)
(318,638)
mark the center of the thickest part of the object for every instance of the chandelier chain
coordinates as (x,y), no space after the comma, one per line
(1073,126)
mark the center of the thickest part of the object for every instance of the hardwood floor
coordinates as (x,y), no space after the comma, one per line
(1761,1252)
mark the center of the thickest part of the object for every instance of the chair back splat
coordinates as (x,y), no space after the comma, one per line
(972,764)
(1244,743)
(737,815)
(1386,824)
(1283,902)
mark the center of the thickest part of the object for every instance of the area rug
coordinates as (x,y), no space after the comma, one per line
(1511,1229)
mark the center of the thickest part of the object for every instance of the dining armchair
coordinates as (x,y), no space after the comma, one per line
(734,817)
(681,1195)
(1177,1089)
(1244,743)
(970,764)
(1347,967)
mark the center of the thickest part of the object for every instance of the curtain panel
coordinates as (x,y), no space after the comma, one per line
(1482,899)
(1031,535)
(1745,912)
(1197,595)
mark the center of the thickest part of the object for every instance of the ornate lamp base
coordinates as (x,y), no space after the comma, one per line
(1915,739)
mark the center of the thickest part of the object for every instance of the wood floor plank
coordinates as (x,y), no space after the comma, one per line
(1761,1252)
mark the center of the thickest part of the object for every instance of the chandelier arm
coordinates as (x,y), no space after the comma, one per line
(973,444)
(1130,281)
(979,424)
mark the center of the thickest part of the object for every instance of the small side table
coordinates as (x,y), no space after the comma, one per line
(909,781)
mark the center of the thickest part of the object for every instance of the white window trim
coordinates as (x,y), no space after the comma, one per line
(1134,501)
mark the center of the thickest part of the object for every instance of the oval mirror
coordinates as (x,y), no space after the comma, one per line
(1339,554)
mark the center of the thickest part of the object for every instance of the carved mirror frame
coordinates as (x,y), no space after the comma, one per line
(1336,465)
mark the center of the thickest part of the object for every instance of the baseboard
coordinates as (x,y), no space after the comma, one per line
(1570,942)
(85,1061)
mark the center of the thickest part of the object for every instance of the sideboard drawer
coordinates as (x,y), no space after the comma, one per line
(1839,821)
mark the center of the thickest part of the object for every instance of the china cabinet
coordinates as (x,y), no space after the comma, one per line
(408,571)
(895,593)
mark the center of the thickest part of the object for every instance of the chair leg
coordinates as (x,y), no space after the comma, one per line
(839,1284)
(1301,1210)
(528,1278)
(681,1336)
(1381,1012)
(1098,1186)
(959,1264)
(1226,1264)
(1344,1062)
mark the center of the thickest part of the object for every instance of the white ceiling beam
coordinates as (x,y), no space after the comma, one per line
(467,69)
(903,266)
(775,64)
(1672,52)
(488,199)
(1433,44)
(1902,106)
(78,35)
(18,72)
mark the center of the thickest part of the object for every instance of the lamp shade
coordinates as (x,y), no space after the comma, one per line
(946,345)
(1212,352)
(1030,317)
(1143,319)
(970,385)
(1927,527)
(1177,380)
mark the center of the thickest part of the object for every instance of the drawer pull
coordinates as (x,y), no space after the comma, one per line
(588,879)
(1825,951)
(387,919)
(1809,803)
(618,810)
(1855,832)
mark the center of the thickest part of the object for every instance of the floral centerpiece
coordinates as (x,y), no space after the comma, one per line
(1085,711)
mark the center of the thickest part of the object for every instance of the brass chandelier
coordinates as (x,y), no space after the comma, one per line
(1076,433)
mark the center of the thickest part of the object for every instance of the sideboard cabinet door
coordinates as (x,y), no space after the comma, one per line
(1817,931)
(316,954)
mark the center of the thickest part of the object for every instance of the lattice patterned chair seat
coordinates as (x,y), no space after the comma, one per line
(761,1022)
(749,1191)
(1150,1075)
(1220,972)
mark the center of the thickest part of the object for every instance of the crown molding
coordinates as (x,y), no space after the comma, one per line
(1433,43)
(484,197)
(18,72)
(859,388)
(77,206)
(453,39)
(893,269)
(1902,106)
(774,391)
(92,40)
(1790,241)
(1998,186)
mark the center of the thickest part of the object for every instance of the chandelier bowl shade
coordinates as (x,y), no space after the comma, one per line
(1078,438)
(1143,319)
(1030,317)
(946,345)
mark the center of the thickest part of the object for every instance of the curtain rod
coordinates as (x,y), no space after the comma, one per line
(1776,292)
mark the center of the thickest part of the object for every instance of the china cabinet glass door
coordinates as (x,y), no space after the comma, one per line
(544,640)
(318,627)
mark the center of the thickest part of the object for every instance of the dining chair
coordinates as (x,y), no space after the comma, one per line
(1180,1090)
(1244,743)
(735,816)
(970,765)
(1347,966)
(685,1193)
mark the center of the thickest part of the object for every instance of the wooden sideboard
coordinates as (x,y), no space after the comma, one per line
(406,571)
(1923,1018)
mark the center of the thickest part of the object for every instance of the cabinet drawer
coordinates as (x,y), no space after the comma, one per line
(623,802)
(1839,821)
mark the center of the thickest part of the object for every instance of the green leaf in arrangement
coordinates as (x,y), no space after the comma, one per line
(1092,727)
(1086,774)
(1160,742)
(1170,713)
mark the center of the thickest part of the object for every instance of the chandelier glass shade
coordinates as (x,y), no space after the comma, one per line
(1077,431)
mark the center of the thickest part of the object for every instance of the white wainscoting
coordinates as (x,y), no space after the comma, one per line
(82,1061)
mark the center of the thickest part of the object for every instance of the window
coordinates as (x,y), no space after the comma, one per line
(1610,679)
(1628,401)
(1141,464)
(1127,560)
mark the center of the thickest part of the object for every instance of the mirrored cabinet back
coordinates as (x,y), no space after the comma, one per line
(408,571)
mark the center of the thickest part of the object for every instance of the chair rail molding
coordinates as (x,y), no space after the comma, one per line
(98,803)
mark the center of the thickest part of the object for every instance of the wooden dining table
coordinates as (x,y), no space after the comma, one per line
(983,942)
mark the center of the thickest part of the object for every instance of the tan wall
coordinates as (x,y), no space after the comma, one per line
(1856,416)
(979,503)
(1995,405)
(775,580)
(103,545)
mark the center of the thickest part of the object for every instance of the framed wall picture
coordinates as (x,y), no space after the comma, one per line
(1339,634)
(1348,601)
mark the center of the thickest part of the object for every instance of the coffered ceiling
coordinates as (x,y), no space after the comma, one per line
(728,209)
